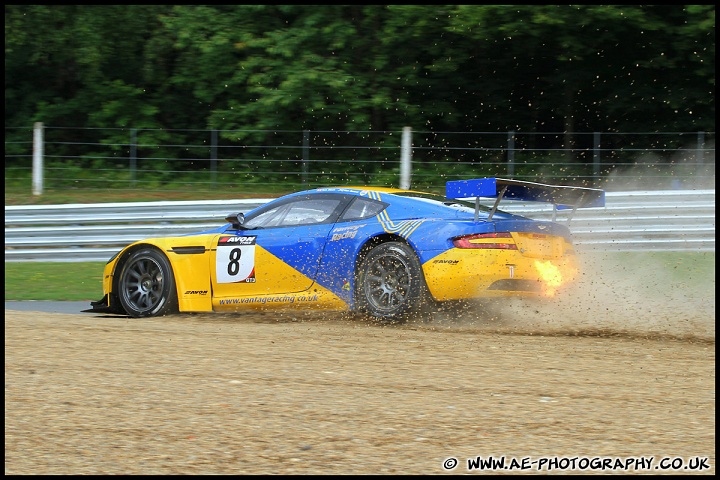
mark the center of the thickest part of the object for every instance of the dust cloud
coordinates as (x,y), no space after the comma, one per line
(687,168)
(619,295)
(613,297)
(630,296)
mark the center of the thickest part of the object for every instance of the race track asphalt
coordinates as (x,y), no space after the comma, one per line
(47,306)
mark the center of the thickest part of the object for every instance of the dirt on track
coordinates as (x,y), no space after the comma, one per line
(622,367)
(305,393)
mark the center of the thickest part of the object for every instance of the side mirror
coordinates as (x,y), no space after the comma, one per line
(236,219)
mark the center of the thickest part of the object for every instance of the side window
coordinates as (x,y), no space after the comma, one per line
(310,212)
(362,208)
(299,212)
(268,218)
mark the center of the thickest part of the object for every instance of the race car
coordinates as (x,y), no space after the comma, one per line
(383,252)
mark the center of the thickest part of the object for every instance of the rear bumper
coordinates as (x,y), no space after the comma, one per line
(466,274)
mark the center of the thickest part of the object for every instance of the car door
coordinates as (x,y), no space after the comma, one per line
(276,251)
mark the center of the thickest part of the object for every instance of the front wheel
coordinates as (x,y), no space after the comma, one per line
(390,283)
(146,285)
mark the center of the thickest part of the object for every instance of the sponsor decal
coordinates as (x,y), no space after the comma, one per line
(449,262)
(341,234)
(196,292)
(237,240)
(337,189)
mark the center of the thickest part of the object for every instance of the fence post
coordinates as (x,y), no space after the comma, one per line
(37,173)
(596,158)
(511,154)
(305,156)
(405,158)
(701,148)
(133,155)
(213,157)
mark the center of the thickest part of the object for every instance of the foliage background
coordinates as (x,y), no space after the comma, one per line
(253,68)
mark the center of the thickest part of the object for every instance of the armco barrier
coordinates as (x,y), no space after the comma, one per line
(630,221)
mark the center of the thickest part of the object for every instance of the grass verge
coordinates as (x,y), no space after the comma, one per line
(62,281)
(82,281)
(15,196)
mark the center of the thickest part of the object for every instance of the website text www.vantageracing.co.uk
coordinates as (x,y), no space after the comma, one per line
(270,299)
(558,464)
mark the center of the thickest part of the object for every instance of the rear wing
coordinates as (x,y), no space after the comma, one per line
(561,196)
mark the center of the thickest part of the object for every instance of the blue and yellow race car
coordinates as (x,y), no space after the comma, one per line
(384,252)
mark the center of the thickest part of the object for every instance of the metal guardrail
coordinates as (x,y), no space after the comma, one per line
(671,220)
(95,232)
(630,221)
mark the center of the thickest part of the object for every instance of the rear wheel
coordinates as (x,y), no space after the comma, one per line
(390,284)
(146,285)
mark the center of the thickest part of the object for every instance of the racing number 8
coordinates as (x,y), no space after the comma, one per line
(234,266)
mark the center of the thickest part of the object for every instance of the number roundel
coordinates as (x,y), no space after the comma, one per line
(235,259)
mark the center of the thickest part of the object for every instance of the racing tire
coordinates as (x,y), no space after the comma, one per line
(146,285)
(390,285)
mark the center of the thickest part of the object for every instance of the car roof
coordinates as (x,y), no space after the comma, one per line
(360,188)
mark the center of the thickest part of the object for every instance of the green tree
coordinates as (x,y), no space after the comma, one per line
(172,72)
(595,67)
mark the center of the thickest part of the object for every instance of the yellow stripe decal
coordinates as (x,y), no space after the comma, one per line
(402,228)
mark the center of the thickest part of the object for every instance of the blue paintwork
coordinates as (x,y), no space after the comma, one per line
(562,196)
(327,253)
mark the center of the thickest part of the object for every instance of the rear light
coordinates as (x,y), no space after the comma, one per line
(486,240)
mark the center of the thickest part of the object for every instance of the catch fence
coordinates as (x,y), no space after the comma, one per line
(270,162)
